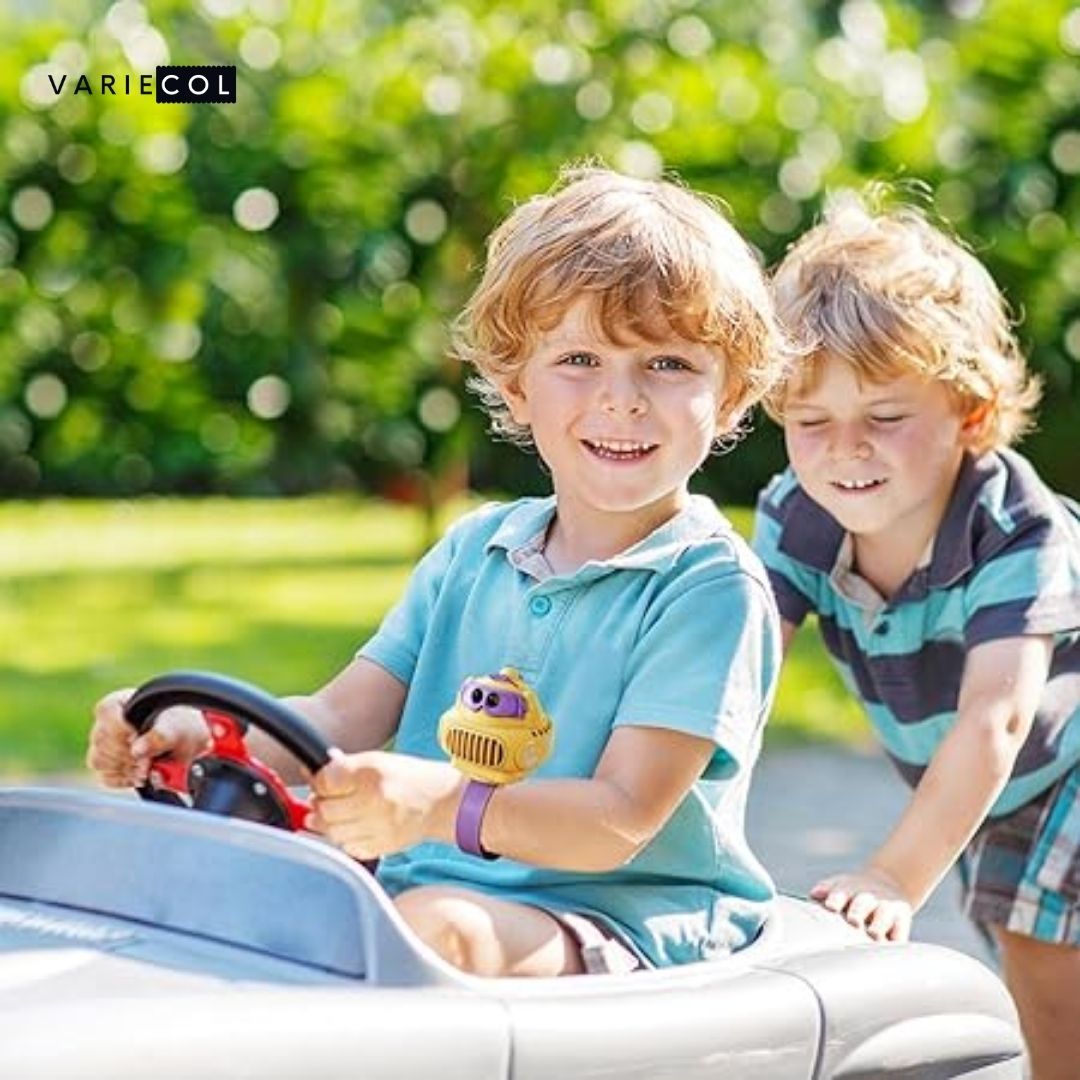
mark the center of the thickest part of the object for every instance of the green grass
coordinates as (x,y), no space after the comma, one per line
(98,595)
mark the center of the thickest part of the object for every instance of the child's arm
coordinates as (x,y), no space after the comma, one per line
(601,823)
(1002,684)
(692,689)
(358,709)
(373,804)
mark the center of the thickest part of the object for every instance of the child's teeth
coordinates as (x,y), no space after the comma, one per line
(618,447)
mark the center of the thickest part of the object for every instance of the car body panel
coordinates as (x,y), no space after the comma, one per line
(753,1025)
(958,1025)
(314,1034)
(173,943)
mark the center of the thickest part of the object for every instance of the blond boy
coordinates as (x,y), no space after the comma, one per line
(622,326)
(945,577)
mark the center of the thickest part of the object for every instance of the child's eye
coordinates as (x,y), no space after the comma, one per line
(810,423)
(668,363)
(578,359)
(887,419)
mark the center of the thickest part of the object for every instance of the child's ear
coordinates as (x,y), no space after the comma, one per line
(974,423)
(513,393)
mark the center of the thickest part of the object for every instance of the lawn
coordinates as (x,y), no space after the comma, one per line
(96,595)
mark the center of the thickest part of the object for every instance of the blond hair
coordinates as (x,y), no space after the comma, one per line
(652,256)
(889,293)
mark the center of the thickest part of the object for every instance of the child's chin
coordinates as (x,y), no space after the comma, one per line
(857,521)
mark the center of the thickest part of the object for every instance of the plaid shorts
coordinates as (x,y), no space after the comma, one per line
(1022,871)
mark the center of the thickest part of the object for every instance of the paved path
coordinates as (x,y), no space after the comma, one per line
(817,810)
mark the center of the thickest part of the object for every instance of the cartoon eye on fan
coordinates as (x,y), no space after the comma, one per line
(496,731)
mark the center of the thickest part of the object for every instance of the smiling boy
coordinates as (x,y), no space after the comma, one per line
(621,326)
(945,577)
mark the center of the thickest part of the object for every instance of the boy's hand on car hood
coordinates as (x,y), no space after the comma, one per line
(871,900)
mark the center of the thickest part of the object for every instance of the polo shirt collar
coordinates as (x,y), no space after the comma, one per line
(954,545)
(817,539)
(658,551)
(812,536)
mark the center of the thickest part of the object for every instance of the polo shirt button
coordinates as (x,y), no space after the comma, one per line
(540,606)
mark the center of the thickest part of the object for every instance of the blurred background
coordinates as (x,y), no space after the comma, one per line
(205,309)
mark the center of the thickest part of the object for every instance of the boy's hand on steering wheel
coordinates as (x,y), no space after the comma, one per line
(871,900)
(121,758)
(376,803)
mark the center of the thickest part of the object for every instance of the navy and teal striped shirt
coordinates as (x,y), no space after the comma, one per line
(1005,562)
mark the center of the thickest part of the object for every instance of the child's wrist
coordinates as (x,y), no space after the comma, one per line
(897,881)
(444,809)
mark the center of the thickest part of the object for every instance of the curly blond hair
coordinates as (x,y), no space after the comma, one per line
(889,293)
(652,256)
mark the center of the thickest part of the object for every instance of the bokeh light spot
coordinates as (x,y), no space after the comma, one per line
(443,95)
(652,113)
(553,64)
(269,397)
(260,48)
(425,221)
(256,209)
(690,36)
(45,396)
(593,100)
(640,159)
(31,208)
(1065,152)
(439,410)
(163,153)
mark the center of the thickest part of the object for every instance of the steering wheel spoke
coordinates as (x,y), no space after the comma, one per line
(226,779)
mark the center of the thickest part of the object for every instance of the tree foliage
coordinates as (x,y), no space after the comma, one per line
(254,297)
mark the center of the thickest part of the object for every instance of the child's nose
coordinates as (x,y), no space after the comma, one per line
(622,394)
(849,441)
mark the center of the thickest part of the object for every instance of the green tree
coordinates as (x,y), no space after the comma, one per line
(254,297)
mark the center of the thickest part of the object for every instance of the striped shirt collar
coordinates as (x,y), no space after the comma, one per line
(819,539)
(850,584)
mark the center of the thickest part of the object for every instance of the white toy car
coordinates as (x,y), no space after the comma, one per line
(145,942)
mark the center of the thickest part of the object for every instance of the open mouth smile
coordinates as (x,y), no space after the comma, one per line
(857,485)
(618,449)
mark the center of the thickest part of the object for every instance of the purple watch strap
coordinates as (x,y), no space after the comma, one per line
(470,818)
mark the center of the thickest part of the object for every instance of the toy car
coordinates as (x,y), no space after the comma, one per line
(140,940)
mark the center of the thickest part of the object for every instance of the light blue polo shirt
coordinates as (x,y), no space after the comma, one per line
(679,631)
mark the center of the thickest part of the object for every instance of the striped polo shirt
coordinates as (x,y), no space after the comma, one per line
(1004,563)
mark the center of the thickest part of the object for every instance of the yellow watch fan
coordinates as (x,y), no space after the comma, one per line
(496,731)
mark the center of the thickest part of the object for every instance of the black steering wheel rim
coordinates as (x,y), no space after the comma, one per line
(209,690)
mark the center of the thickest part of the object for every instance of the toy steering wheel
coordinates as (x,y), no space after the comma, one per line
(226,779)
